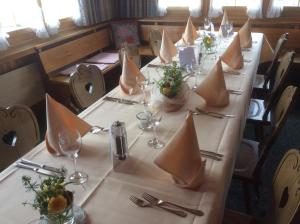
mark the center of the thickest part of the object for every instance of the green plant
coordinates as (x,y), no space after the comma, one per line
(171,82)
(208,40)
(51,198)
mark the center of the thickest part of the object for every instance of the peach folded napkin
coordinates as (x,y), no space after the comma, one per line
(233,54)
(181,157)
(190,33)
(167,49)
(60,118)
(224,21)
(130,72)
(213,88)
(245,35)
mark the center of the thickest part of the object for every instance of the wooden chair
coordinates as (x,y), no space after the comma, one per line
(155,37)
(19,133)
(259,110)
(132,52)
(252,154)
(265,81)
(285,206)
(86,85)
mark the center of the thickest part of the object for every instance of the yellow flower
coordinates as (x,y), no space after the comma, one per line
(57,204)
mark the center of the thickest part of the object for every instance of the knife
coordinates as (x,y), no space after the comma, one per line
(38,165)
(119,100)
(37,170)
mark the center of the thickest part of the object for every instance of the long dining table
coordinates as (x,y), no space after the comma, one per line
(105,196)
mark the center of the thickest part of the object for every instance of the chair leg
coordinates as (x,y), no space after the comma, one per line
(247,197)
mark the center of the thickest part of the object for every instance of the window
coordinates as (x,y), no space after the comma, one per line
(276,6)
(194,5)
(15,14)
(287,3)
(254,7)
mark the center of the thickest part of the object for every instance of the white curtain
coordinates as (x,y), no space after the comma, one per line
(194,6)
(275,8)
(254,7)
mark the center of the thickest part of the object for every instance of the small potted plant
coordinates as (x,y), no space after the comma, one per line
(53,201)
(173,90)
(208,41)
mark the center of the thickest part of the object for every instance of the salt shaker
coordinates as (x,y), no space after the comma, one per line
(118,142)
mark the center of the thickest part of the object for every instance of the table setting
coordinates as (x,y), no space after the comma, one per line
(159,148)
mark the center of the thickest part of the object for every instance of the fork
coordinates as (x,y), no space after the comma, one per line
(157,201)
(141,203)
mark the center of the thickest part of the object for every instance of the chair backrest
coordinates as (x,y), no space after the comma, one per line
(86,85)
(132,52)
(286,189)
(19,133)
(279,45)
(155,37)
(278,118)
(280,78)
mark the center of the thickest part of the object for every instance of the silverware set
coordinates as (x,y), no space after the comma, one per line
(97,129)
(211,155)
(151,201)
(120,100)
(40,168)
(235,92)
(212,114)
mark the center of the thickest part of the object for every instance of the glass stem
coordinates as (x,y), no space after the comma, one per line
(155,132)
(75,162)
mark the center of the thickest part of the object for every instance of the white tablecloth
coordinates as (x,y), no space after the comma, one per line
(105,196)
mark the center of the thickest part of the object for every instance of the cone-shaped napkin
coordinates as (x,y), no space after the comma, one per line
(245,35)
(130,72)
(59,118)
(181,157)
(224,21)
(233,54)
(213,88)
(167,49)
(190,33)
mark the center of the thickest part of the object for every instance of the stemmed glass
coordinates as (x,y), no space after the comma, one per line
(70,144)
(207,24)
(229,28)
(155,119)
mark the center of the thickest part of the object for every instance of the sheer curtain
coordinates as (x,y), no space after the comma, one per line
(254,7)
(194,6)
(275,8)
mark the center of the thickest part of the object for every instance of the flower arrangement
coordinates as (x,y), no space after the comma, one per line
(208,40)
(52,199)
(171,82)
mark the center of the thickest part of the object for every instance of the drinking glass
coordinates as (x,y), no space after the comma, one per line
(207,24)
(70,144)
(155,119)
(229,28)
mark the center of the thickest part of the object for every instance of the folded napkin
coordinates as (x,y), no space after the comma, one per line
(245,35)
(59,118)
(225,20)
(267,51)
(233,54)
(181,157)
(190,33)
(213,88)
(130,72)
(167,49)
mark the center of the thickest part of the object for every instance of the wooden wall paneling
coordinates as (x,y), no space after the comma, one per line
(59,56)
(22,86)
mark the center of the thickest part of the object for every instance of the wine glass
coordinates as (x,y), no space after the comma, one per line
(70,144)
(155,119)
(229,28)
